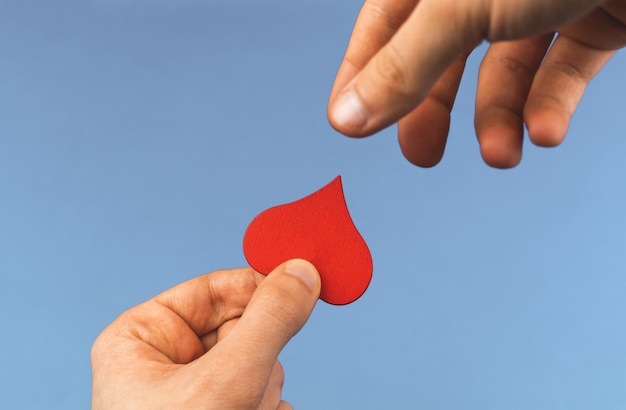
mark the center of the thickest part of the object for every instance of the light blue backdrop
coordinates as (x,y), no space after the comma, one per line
(139,138)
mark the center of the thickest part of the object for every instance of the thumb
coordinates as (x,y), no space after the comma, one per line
(400,75)
(279,308)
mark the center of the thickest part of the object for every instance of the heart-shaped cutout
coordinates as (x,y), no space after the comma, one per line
(317,228)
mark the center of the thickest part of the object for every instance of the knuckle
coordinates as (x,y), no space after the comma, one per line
(614,12)
(389,16)
(515,65)
(497,156)
(570,70)
(390,69)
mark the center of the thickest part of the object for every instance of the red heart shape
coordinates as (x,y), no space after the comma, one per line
(317,228)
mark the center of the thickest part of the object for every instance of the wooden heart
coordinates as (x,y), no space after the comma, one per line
(317,228)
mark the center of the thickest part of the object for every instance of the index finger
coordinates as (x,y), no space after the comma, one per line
(204,303)
(170,327)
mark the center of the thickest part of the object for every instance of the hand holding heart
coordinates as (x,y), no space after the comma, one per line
(213,342)
(209,343)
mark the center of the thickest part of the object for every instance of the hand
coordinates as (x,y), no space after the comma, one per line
(209,343)
(406,57)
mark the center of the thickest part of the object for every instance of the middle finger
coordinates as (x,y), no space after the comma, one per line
(504,80)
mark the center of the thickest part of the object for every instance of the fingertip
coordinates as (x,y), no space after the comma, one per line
(376,98)
(420,158)
(348,115)
(423,133)
(503,160)
(424,161)
(546,127)
(501,163)
(284,406)
(498,154)
(288,295)
(306,272)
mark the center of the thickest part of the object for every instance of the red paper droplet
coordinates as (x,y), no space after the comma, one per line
(317,228)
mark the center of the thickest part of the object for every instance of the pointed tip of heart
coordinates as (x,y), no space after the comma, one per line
(317,228)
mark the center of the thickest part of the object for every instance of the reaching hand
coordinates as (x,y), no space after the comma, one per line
(209,343)
(406,57)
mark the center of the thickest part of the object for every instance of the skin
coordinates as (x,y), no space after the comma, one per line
(405,60)
(209,343)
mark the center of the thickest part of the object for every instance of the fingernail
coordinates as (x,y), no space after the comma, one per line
(303,270)
(349,112)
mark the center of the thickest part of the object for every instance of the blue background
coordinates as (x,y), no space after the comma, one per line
(139,138)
